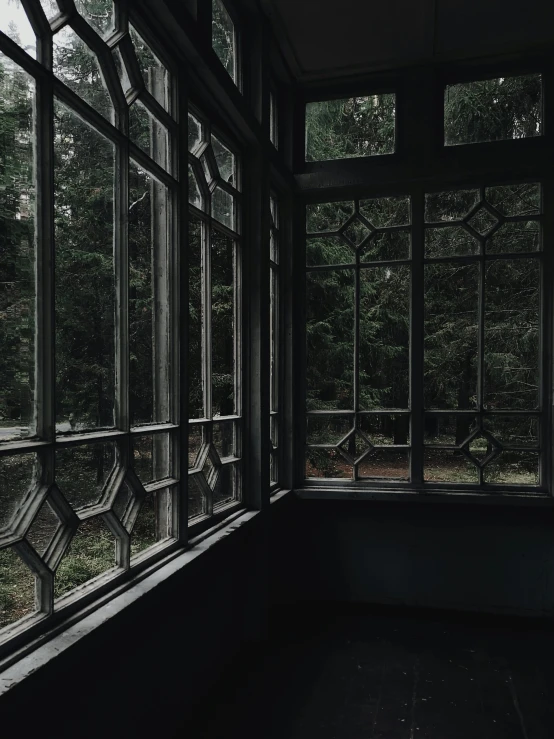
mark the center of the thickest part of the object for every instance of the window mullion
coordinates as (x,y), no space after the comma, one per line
(417,314)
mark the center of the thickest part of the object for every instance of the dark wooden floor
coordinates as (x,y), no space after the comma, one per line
(367,673)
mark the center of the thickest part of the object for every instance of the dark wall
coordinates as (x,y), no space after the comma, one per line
(488,559)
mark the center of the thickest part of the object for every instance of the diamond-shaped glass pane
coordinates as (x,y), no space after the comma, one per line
(97,13)
(355,445)
(75,64)
(123,501)
(356,232)
(483,221)
(17,588)
(43,528)
(208,468)
(481,447)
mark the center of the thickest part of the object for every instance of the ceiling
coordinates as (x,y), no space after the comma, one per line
(323,39)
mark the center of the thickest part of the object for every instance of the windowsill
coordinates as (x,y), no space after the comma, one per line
(500,497)
(79,625)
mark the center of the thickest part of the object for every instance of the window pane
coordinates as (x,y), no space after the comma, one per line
(384,337)
(99,13)
(148,298)
(151,457)
(385,464)
(196,320)
(451,320)
(328,429)
(223,208)
(76,65)
(323,250)
(82,472)
(512,301)
(17,588)
(85,282)
(148,134)
(274,340)
(223,324)
(327,463)
(18,476)
(323,217)
(383,430)
(445,465)
(223,38)
(17,252)
(330,339)
(515,236)
(445,430)
(153,521)
(354,127)
(491,110)
(515,200)
(225,490)
(15,24)
(387,245)
(155,75)
(225,160)
(386,212)
(514,468)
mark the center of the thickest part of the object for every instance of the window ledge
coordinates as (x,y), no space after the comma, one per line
(19,666)
(498,497)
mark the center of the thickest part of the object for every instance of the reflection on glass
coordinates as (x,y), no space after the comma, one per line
(17,252)
(75,64)
(354,127)
(85,281)
(223,324)
(148,298)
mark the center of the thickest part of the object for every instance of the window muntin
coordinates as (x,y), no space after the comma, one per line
(214,310)
(273,119)
(493,110)
(76,505)
(481,324)
(352,127)
(224,38)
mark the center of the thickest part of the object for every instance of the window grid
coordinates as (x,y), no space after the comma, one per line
(135,510)
(349,443)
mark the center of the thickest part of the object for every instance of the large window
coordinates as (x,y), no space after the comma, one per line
(90,435)
(468,408)
(214,312)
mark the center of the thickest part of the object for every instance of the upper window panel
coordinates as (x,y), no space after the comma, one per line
(493,110)
(224,39)
(355,127)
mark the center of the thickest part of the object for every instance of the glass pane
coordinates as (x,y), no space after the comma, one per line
(451,320)
(151,457)
(223,437)
(75,64)
(328,429)
(516,236)
(223,208)
(514,468)
(327,463)
(384,337)
(196,498)
(17,252)
(195,132)
(18,474)
(385,464)
(491,110)
(512,302)
(225,490)
(148,298)
(91,553)
(387,245)
(356,232)
(444,430)
(273,120)
(83,471)
(323,217)
(386,212)
(451,205)
(154,74)
(50,8)
(195,194)
(196,319)
(148,134)
(223,37)
(514,431)
(195,444)
(153,521)
(225,161)
(522,199)
(445,465)
(98,13)
(382,430)
(449,242)
(223,324)
(43,529)
(85,281)
(274,341)
(17,588)
(330,340)
(355,127)
(322,250)
(15,24)
(121,69)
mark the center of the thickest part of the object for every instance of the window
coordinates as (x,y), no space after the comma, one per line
(354,127)
(224,38)
(214,311)
(478,315)
(275,342)
(90,435)
(493,110)
(273,119)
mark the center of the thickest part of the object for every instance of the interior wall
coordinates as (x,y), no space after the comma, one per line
(466,557)
(140,671)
